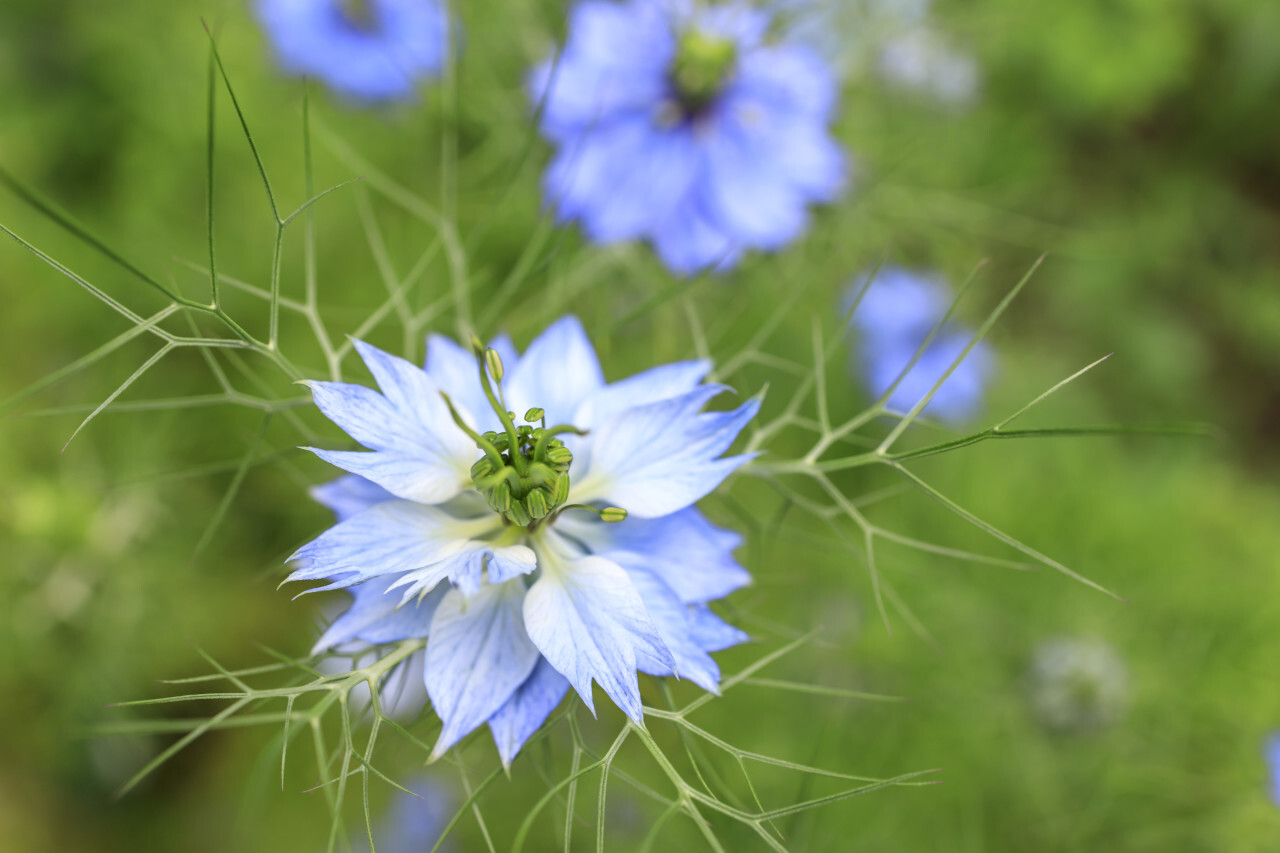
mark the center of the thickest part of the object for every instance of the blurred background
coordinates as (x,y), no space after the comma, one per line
(1135,142)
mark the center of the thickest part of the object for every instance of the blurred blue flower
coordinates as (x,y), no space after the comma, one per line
(1271,754)
(895,316)
(413,824)
(679,124)
(365,50)
(523,595)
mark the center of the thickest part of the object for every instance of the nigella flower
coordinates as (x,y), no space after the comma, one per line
(366,50)
(683,125)
(535,553)
(898,310)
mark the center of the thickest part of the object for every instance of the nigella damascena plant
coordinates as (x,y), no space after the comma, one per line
(896,314)
(365,50)
(686,126)
(535,551)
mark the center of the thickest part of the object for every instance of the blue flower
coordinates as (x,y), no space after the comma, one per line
(682,125)
(1271,754)
(510,561)
(896,314)
(366,50)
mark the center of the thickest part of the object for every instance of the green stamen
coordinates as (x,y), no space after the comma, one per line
(524,473)
(701,68)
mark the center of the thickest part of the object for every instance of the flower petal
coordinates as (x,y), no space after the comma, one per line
(420,454)
(526,710)
(690,554)
(671,620)
(712,633)
(394,537)
(589,621)
(377,616)
(658,458)
(478,655)
(349,495)
(658,383)
(556,373)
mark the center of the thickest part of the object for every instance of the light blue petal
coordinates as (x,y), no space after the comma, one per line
(671,620)
(523,714)
(647,172)
(420,453)
(689,553)
(679,462)
(710,632)
(689,241)
(748,195)
(589,622)
(377,616)
(453,369)
(478,655)
(794,81)
(417,478)
(421,543)
(349,495)
(557,372)
(658,383)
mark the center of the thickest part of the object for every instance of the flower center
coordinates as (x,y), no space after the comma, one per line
(524,473)
(360,14)
(703,64)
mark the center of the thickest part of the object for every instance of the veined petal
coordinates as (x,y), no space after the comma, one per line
(657,383)
(526,710)
(414,477)
(349,495)
(556,373)
(679,464)
(377,616)
(393,537)
(671,619)
(478,655)
(589,621)
(419,452)
(710,632)
(690,554)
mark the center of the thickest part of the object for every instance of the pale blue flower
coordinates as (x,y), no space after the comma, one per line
(365,50)
(683,125)
(517,612)
(896,314)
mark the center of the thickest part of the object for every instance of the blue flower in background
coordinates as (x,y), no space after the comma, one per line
(1271,754)
(366,50)
(681,125)
(413,824)
(896,314)
(502,547)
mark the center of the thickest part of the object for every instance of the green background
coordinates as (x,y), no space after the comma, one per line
(1135,142)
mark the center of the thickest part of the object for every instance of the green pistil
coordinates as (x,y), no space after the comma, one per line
(358,13)
(700,70)
(524,473)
